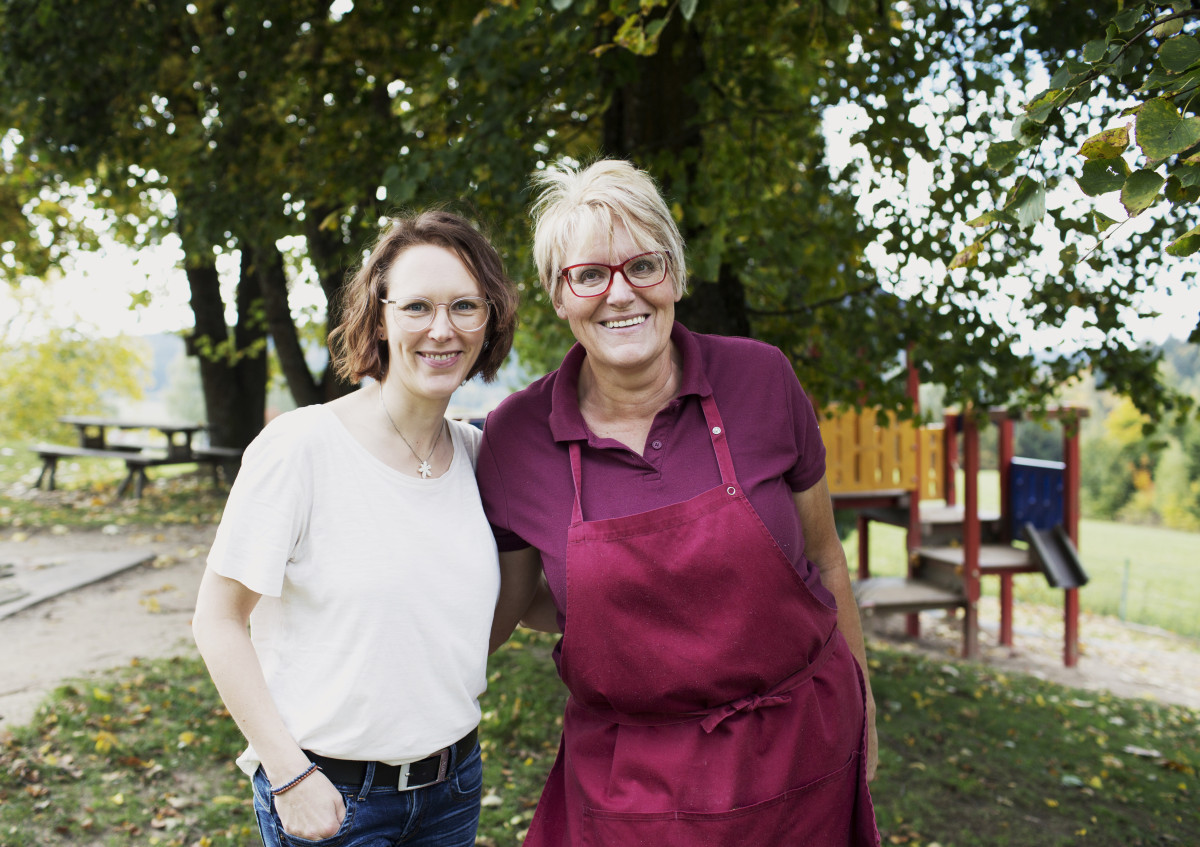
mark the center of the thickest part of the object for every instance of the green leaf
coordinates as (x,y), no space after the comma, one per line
(1061,78)
(1069,256)
(996,216)
(1102,221)
(1163,132)
(1186,244)
(968,257)
(1179,53)
(1189,177)
(1101,176)
(1183,82)
(1028,203)
(1158,78)
(1129,18)
(1108,144)
(1002,153)
(1141,190)
(1040,107)
(687,8)
(1094,51)
(1025,131)
(838,6)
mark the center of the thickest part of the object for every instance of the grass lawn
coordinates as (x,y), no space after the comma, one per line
(968,757)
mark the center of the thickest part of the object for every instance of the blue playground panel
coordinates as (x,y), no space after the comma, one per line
(1035,495)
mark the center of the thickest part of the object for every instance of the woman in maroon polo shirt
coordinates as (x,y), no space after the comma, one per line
(671,488)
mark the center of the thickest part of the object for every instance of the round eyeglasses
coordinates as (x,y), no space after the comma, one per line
(593,279)
(467,314)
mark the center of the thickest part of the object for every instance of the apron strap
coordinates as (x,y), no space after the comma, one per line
(778,694)
(716,431)
(576,475)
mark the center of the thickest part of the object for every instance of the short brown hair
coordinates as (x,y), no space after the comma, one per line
(355,345)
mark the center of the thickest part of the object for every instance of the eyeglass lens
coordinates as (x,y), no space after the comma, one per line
(641,271)
(466,313)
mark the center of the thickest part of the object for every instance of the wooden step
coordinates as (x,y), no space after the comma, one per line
(993,558)
(886,594)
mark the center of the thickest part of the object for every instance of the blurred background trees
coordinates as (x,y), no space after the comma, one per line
(847,173)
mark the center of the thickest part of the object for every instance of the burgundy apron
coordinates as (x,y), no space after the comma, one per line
(713,701)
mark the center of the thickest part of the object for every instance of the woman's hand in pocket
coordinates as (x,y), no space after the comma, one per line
(313,810)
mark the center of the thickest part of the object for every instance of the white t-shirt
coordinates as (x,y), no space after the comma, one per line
(378,589)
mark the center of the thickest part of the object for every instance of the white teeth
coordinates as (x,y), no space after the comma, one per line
(623,323)
(439,357)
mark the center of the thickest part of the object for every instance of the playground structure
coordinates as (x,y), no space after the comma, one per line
(896,473)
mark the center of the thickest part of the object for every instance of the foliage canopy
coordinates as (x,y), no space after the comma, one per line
(822,158)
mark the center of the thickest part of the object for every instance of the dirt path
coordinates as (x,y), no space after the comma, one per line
(145,613)
(142,613)
(1123,659)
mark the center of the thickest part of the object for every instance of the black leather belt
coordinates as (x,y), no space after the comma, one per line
(428,771)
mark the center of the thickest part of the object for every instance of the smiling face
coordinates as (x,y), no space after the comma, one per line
(431,363)
(626,329)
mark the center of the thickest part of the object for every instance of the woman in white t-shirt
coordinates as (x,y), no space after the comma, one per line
(355,547)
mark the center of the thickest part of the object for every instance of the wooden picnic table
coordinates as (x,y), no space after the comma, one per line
(93,433)
(95,442)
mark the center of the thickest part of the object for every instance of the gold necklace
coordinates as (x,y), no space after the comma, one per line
(423,468)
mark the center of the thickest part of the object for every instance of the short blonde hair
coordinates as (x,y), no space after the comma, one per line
(574,203)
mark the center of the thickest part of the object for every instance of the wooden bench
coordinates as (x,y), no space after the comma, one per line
(225,460)
(136,461)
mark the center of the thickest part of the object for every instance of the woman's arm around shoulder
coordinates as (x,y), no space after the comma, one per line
(824,549)
(524,597)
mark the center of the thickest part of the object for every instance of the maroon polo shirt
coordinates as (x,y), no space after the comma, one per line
(524,468)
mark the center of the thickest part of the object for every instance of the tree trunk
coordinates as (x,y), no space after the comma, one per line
(716,307)
(325,253)
(272,279)
(250,358)
(210,333)
(233,380)
(654,121)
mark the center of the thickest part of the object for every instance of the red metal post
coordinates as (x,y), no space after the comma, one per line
(1071,525)
(864,547)
(1005,449)
(1006,609)
(950,456)
(971,535)
(913,539)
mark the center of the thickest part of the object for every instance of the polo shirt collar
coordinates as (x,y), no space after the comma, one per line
(566,421)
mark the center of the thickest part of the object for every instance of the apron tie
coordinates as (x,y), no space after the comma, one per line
(747,704)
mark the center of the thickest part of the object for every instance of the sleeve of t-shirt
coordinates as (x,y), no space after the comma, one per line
(488,473)
(471,437)
(266,511)
(809,466)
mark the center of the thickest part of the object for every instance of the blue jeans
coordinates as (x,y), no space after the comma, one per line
(442,815)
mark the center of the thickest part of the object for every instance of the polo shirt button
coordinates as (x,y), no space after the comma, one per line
(657,445)
(716,430)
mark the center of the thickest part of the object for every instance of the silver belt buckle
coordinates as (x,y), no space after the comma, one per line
(443,769)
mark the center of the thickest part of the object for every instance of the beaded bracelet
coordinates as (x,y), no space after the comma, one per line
(288,786)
